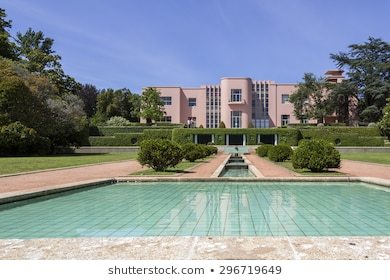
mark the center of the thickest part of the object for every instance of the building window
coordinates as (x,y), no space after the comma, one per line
(235,95)
(166,119)
(167,100)
(285,120)
(285,98)
(191,102)
(235,117)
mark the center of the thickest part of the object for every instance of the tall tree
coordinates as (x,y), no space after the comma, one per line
(7,48)
(342,100)
(309,99)
(35,50)
(88,94)
(111,103)
(368,68)
(152,107)
(384,124)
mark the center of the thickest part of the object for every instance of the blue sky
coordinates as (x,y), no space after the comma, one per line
(138,43)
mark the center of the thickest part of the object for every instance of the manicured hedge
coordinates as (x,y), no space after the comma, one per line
(285,135)
(346,136)
(158,134)
(119,139)
(111,130)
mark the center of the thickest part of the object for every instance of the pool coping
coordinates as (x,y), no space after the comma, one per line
(9,197)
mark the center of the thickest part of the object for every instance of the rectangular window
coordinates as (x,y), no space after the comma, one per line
(235,117)
(235,95)
(285,120)
(285,98)
(191,102)
(166,119)
(167,100)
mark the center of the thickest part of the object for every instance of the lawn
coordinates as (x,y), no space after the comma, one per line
(383,158)
(9,165)
(172,171)
(307,172)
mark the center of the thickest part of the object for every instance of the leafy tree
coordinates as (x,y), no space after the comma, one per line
(152,107)
(341,99)
(384,124)
(368,66)
(121,103)
(35,50)
(7,48)
(310,99)
(117,121)
(88,94)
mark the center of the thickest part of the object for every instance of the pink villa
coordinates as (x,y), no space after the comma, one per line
(236,101)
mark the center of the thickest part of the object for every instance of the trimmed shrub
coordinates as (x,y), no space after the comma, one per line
(160,154)
(211,150)
(316,155)
(372,124)
(192,152)
(117,121)
(280,153)
(262,151)
(158,134)
(222,125)
(17,139)
(119,139)
(111,130)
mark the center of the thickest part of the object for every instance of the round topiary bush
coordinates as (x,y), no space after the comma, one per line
(372,124)
(192,152)
(316,155)
(262,151)
(280,152)
(160,154)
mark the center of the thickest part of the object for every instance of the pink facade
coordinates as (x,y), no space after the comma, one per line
(236,101)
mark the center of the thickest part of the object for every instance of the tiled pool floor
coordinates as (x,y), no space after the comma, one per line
(203,209)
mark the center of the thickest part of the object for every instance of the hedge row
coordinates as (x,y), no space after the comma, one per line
(119,139)
(346,136)
(111,130)
(286,135)
(340,136)
(150,134)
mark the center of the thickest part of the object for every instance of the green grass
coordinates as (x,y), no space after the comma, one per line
(307,172)
(9,165)
(383,158)
(180,168)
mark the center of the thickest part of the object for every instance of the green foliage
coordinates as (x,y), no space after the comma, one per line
(160,154)
(346,136)
(117,121)
(339,99)
(315,155)
(384,124)
(7,48)
(118,139)
(17,139)
(262,151)
(222,125)
(368,70)
(152,107)
(111,130)
(111,103)
(157,134)
(285,135)
(88,94)
(280,152)
(309,99)
(193,152)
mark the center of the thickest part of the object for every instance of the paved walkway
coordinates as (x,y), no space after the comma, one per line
(64,176)
(207,169)
(365,169)
(269,169)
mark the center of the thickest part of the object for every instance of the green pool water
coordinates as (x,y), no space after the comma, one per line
(202,209)
(236,172)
